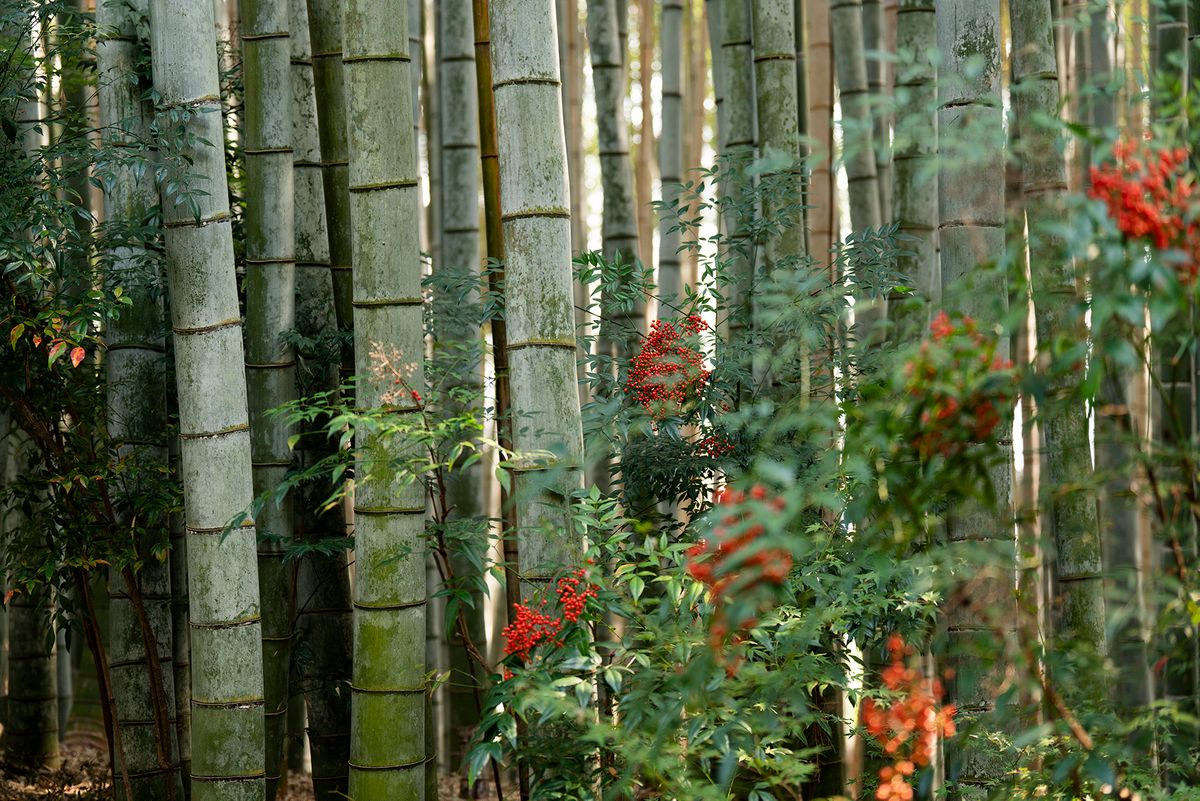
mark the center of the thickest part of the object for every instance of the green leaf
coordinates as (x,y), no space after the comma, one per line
(59,348)
(15,334)
(636,585)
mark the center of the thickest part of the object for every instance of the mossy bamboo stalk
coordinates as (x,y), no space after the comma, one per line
(456,332)
(325,31)
(857,127)
(323,616)
(570,57)
(227,681)
(1124,566)
(542,351)
(779,124)
(670,150)
(716,43)
(137,409)
(874,28)
(270,313)
(971,233)
(1072,513)
(915,190)
(137,417)
(1175,401)
(30,736)
(695,127)
(618,327)
(644,155)
(741,132)
(387,732)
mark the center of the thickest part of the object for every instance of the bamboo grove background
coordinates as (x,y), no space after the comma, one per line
(254,249)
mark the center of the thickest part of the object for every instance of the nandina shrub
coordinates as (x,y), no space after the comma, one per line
(668,374)
(741,575)
(906,721)
(543,623)
(1150,194)
(959,388)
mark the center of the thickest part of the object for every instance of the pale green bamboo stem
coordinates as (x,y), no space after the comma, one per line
(226,636)
(716,33)
(857,126)
(1174,407)
(387,735)
(538,293)
(971,233)
(779,123)
(270,312)
(874,47)
(455,331)
(741,140)
(670,150)
(323,617)
(915,191)
(325,30)
(1067,453)
(137,408)
(618,327)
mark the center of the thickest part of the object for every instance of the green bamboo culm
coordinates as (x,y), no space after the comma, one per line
(850,63)
(137,419)
(270,313)
(387,736)
(736,64)
(325,30)
(971,234)
(226,636)
(538,290)
(670,152)
(875,43)
(323,616)
(1066,453)
(914,194)
(620,324)
(774,47)
(458,344)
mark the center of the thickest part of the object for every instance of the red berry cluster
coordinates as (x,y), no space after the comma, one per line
(958,387)
(573,594)
(725,566)
(669,370)
(1148,196)
(533,626)
(909,727)
(714,446)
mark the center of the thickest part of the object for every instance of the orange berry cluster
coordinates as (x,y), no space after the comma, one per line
(948,383)
(669,370)
(908,728)
(1149,197)
(533,626)
(723,566)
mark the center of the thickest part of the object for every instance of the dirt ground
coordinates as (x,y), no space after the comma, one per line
(84,777)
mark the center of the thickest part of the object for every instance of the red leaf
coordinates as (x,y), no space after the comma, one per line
(77,355)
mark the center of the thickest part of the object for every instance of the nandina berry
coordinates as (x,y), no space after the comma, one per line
(668,373)
(1149,199)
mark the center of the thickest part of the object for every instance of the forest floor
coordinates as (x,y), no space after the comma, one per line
(84,777)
